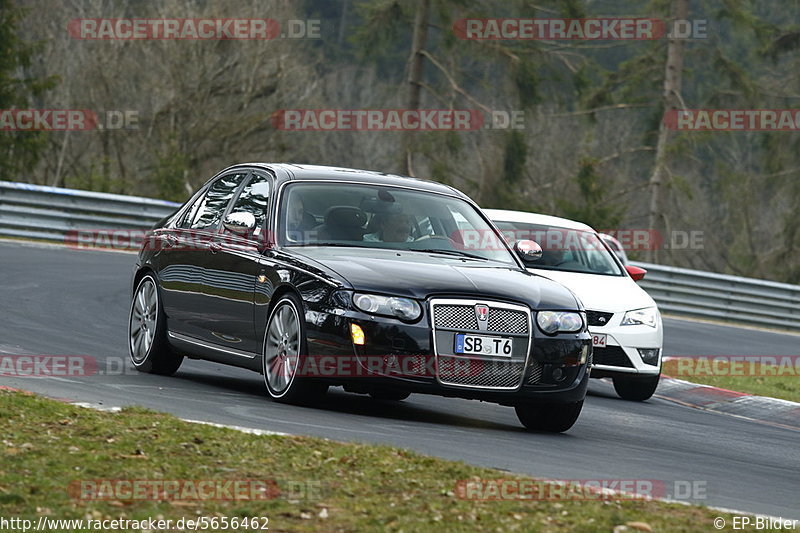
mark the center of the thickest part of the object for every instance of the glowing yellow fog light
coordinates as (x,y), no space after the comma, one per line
(357,334)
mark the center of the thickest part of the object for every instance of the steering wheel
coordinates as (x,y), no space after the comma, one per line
(434,238)
(433,242)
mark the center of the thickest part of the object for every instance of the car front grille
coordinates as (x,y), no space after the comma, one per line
(611,356)
(452,316)
(506,321)
(535,372)
(458,317)
(598,318)
(480,373)
(463,317)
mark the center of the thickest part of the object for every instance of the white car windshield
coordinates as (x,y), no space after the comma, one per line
(385,217)
(564,249)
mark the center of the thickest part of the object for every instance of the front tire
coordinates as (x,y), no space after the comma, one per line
(148,347)
(636,389)
(284,351)
(553,417)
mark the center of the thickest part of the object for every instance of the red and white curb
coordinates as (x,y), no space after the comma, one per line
(778,412)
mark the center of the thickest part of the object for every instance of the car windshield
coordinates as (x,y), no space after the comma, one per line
(385,217)
(565,249)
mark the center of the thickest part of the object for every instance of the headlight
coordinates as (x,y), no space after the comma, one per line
(647,317)
(402,308)
(552,322)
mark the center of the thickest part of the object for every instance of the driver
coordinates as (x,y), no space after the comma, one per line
(392,227)
(558,257)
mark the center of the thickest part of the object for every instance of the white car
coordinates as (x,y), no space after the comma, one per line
(623,319)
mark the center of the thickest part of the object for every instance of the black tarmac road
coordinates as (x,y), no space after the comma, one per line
(58,301)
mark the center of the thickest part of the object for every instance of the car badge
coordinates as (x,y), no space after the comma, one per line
(482,312)
(602,320)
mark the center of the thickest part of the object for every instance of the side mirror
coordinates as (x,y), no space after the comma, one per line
(240,223)
(635,272)
(528,251)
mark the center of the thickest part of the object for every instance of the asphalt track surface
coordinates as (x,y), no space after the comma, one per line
(57,301)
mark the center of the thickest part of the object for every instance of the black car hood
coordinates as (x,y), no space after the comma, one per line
(421,275)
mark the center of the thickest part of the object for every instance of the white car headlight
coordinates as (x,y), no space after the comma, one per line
(552,322)
(646,317)
(402,308)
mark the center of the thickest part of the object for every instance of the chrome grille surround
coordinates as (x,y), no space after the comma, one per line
(458,316)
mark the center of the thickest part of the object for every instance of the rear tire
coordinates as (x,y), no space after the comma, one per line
(553,417)
(636,389)
(148,347)
(284,351)
(389,395)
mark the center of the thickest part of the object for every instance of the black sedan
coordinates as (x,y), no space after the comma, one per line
(382,284)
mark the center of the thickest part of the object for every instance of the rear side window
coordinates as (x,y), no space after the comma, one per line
(254,199)
(208,210)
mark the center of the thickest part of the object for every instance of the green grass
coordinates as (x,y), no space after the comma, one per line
(46,445)
(761,380)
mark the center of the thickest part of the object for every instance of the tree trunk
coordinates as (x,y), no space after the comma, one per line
(418,42)
(671,101)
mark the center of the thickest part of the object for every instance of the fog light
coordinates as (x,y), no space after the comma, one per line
(558,374)
(357,334)
(649,355)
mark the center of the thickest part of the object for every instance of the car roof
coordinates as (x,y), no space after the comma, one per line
(502,215)
(301,172)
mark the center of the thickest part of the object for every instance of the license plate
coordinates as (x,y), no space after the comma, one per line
(482,345)
(599,340)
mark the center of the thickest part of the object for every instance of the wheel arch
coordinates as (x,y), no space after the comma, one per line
(140,273)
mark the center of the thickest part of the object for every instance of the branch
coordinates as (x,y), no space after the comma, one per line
(453,83)
(623,152)
(603,108)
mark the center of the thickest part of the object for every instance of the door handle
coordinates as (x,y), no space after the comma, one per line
(214,247)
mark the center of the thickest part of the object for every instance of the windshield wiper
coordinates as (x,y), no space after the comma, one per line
(460,253)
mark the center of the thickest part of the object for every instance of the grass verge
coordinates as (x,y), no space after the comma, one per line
(49,446)
(762,380)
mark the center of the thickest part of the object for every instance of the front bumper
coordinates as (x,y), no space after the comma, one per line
(621,355)
(417,357)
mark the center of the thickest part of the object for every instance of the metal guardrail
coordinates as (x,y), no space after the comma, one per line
(39,212)
(757,302)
